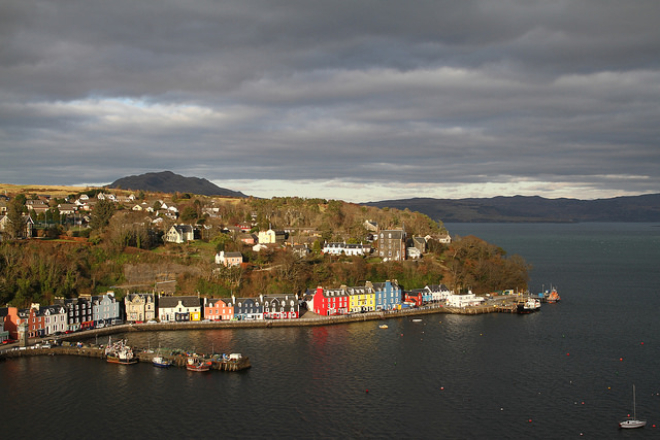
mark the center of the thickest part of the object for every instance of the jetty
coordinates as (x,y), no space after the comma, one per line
(178,358)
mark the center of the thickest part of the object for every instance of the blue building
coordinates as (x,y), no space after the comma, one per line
(248,309)
(106,310)
(388,294)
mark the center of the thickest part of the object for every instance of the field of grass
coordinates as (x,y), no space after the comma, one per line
(53,190)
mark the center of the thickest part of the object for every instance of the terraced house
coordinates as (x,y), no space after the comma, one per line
(140,307)
(218,309)
(179,308)
(280,306)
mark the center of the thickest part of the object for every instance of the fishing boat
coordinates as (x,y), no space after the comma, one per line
(553,297)
(529,305)
(631,423)
(198,365)
(120,353)
(161,362)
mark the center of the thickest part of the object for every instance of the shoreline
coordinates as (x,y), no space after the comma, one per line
(308,319)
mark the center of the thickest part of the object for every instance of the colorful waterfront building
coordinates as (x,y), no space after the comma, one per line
(387,294)
(106,310)
(44,321)
(284,306)
(12,321)
(328,302)
(140,307)
(219,309)
(436,293)
(80,313)
(179,308)
(413,297)
(248,309)
(361,299)
(54,319)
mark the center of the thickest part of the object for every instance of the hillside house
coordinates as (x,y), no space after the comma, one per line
(392,245)
(180,234)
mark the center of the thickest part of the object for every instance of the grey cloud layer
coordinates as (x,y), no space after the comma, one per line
(469,91)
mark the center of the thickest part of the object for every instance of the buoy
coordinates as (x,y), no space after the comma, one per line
(582,403)
(642,343)
(442,388)
(621,359)
(530,421)
(367,391)
(568,354)
(609,388)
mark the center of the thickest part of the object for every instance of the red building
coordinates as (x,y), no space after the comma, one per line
(413,298)
(329,302)
(13,320)
(35,321)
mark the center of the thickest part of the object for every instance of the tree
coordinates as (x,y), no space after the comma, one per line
(102,214)
(15,226)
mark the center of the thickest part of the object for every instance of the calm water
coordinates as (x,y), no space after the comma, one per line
(557,374)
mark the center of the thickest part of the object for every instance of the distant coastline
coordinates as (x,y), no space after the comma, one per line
(520,209)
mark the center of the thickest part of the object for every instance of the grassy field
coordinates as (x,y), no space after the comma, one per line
(53,190)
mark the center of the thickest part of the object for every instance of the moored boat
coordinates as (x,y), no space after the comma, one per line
(161,362)
(631,423)
(553,297)
(198,365)
(383,326)
(529,305)
(120,353)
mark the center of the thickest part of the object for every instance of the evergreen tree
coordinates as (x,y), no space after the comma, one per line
(101,215)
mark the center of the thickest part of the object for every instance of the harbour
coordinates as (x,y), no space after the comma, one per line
(175,357)
(566,371)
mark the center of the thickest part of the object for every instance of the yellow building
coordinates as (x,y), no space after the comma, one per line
(361,299)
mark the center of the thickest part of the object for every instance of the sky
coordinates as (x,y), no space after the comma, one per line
(360,100)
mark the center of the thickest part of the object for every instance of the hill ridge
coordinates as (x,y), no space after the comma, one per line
(170,182)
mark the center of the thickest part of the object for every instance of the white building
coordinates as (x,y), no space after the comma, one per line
(336,248)
(464,300)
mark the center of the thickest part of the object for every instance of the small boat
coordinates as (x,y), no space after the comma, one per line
(120,353)
(528,306)
(161,362)
(553,297)
(417,320)
(633,423)
(199,365)
(383,326)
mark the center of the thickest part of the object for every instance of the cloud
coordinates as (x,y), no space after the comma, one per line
(367,100)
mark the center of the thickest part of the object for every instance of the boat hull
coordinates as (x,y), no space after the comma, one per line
(114,360)
(632,424)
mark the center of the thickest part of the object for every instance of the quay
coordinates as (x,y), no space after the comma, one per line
(178,358)
(307,319)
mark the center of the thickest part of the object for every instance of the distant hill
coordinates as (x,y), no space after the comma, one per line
(168,182)
(645,208)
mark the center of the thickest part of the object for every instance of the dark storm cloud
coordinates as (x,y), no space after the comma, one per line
(563,92)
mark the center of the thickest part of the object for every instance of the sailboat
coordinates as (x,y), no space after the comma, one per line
(633,423)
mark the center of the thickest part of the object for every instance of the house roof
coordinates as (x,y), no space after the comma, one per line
(173,301)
